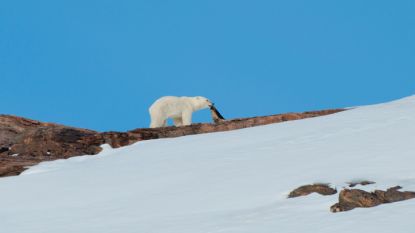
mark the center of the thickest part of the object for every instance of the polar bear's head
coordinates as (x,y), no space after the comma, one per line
(201,102)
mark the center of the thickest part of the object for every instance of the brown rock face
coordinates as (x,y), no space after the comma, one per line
(25,142)
(354,198)
(323,189)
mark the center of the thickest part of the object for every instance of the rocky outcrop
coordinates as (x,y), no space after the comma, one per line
(25,142)
(323,189)
(355,198)
(363,183)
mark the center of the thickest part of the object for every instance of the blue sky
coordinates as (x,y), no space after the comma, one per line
(99,64)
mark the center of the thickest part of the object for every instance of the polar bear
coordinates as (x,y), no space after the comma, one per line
(180,109)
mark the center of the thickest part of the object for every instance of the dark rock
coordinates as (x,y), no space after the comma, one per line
(364,182)
(355,198)
(323,189)
(4,149)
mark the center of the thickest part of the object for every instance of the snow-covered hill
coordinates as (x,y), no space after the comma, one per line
(234,181)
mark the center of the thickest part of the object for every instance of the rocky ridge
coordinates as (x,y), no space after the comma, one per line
(25,142)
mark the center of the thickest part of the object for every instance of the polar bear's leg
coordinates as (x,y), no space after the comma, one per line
(187,117)
(157,120)
(178,121)
(155,123)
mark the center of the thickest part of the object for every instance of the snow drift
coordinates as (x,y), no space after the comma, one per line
(235,181)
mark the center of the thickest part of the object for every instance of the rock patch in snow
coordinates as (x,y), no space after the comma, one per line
(355,198)
(323,189)
(363,182)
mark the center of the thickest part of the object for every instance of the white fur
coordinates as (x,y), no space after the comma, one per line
(180,109)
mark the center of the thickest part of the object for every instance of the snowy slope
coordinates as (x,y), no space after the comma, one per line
(226,182)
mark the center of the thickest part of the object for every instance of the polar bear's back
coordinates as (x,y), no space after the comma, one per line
(169,105)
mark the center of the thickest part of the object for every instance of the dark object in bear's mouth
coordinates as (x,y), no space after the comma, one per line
(217,117)
(213,108)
